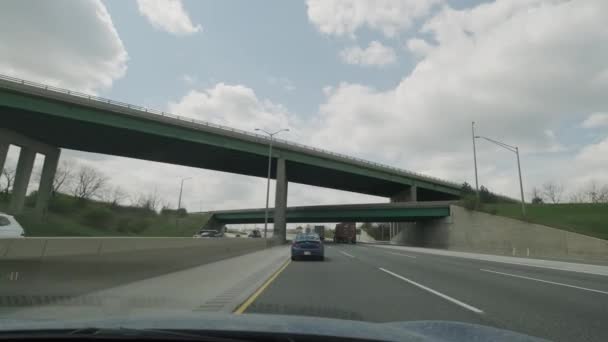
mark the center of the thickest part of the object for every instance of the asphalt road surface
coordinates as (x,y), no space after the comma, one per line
(359,282)
(377,284)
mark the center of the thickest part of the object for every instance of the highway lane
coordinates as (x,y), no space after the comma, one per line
(344,287)
(378,284)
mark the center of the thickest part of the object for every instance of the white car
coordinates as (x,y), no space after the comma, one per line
(209,233)
(9,227)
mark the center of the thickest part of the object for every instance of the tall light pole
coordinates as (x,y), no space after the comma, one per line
(181,189)
(515,150)
(271,135)
(475,160)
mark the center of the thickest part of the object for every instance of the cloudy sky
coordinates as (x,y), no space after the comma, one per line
(393,81)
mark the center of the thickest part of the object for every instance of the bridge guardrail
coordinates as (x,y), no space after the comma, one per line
(89,97)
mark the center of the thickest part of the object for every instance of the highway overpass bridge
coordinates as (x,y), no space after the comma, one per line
(43,119)
(372,212)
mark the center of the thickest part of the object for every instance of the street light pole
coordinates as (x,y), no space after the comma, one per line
(475,160)
(271,135)
(515,150)
(181,188)
(521,187)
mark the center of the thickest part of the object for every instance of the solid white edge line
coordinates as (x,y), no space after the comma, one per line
(350,255)
(492,258)
(405,255)
(545,281)
(437,293)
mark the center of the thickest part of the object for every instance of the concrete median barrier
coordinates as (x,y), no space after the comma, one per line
(36,248)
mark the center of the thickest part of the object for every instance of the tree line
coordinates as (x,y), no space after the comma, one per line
(554,192)
(85,183)
(549,192)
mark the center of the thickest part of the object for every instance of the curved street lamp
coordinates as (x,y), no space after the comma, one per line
(271,135)
(515,150)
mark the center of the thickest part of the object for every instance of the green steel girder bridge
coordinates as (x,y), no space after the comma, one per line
(372,212)
(44,119)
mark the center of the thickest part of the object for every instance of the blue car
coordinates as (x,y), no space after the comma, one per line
(307,246)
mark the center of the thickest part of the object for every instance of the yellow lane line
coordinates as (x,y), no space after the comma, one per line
(259,291)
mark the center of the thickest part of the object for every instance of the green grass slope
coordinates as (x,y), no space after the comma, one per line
(70,217)
(583,218)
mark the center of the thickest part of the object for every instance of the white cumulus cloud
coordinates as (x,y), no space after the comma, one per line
(375,54)
(168,15)
(419,47)
(345,17)
(232,105)
(596,120)
(517,68)
(71,44)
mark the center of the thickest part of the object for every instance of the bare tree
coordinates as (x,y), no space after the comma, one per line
(593,192)
(118,195)
(602,195)
(8,174)
(150,201)
(88,183)
(536,196)
(553,191)
(63,176)
(578,197)
(114,195)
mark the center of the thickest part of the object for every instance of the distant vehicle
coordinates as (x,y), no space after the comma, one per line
(320,230)
(9,227)
(208,233)
(345,232)
(307,231)
(307,246)
(255,234)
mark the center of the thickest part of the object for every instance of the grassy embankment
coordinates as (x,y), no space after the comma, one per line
(68,216)
(583,218)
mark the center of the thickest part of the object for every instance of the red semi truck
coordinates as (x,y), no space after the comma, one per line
(345,232)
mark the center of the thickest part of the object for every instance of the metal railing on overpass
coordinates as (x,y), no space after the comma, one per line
(64,91)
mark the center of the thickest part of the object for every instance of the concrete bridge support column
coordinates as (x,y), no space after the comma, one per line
(280,202)
(29,148)
(46,181)
(409,194)
(3,152)
(22,179)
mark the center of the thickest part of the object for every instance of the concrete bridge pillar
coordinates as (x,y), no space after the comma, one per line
(280,202)
(22,179)
(29,148)
(46,181)
(409,194)
(3,153)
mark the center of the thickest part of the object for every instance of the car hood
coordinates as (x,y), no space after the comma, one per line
(281,324)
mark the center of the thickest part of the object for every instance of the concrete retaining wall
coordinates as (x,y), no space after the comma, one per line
(31,248)
(473,231)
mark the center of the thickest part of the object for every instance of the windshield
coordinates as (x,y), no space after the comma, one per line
(307,237)
(389,161)
(4,221)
